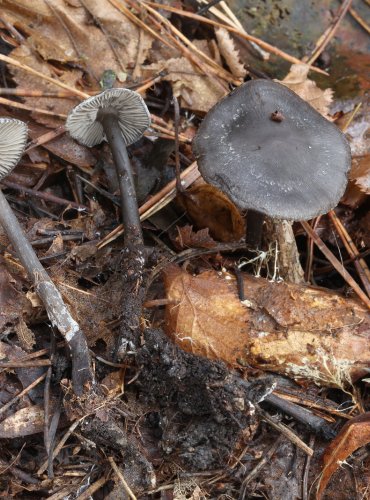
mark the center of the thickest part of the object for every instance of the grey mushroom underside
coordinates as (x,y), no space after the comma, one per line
(58,312)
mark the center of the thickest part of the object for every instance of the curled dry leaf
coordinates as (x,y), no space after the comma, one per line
(304,332)
(298,81)
(195,90)
(230,53)
(24,422)
(209,208)
(353,435)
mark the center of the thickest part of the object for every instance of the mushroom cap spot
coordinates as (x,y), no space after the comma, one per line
(294,169)
(132,112)
(13,138)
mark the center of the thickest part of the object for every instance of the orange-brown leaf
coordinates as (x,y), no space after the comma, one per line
(353,435)
(209,208)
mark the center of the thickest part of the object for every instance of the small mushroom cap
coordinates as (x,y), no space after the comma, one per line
(13,138)
(133,116)
(292,168)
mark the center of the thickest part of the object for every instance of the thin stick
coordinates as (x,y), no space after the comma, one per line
(232,29)
(336,264)
(360,20)
(126,487)
(329,32)
(17,64)
(25,391)
(44,196)
(360,264)
(230,18)
(205,68)
(19,105)
(157,202)
(221,72)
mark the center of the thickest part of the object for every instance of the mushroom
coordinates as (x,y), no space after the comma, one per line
(119,116)
(13,136)
(272,154)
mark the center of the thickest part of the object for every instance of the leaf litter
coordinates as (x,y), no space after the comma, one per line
(188,417)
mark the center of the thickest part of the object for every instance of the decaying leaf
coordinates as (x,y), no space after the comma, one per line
(359,182)
(230,53)
(187,238)
(24,422)
(304,332)
(298,81)
(353,435)
(91,37)
(196,91)
(13,303)
(209,208)
(25,335)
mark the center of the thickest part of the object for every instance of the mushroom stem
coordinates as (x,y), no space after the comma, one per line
(255,222)
(57,311)
(130,210)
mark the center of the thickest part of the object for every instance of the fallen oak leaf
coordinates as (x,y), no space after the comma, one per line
(353,435)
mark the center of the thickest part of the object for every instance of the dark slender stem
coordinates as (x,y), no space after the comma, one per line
(254,229)
(176,108)
(130,210)
(57,311)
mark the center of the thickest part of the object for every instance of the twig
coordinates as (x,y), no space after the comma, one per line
(219,71)
(126,487)
(360,20)
(232,29)
(25,391)
(19,105)
(307,470)
(360,264)
(87,494)
(157,202)
(329,33)
(336,264)
(44,196)
(283,429)
(17,64)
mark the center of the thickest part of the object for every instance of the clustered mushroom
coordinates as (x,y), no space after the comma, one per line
(13,137)
(273,154)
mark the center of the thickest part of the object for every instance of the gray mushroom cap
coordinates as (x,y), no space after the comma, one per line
(13,138)
(291,169)
(132,113)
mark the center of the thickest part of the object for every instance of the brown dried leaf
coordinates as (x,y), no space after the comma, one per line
(298,81)
(57,246)
(187,238)
(25,336)
(230,53)
(353,435)
(93,36)
(197,92)
(280,327)
(13,303)
(24,422)
(359,182)
(209,208)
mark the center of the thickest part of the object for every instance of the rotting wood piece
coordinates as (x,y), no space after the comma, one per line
(304,332)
